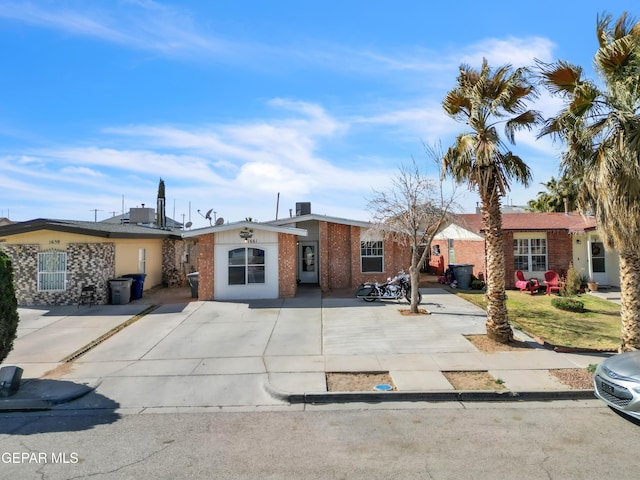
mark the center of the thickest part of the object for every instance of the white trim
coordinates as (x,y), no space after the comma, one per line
(301,232)
(321,218)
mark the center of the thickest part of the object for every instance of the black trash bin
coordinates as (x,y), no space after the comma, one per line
(193,283)
(137,284)
(120,290)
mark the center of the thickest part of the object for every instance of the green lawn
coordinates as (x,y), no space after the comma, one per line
(598,327)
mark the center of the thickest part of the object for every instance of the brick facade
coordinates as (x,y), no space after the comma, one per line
(464,251)
(337,249)
(87,264)
(559,255)
(287,266)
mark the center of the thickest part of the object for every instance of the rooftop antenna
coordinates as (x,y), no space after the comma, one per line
(95,214)
(206,216)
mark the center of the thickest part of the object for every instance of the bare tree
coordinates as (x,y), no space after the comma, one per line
(413,211)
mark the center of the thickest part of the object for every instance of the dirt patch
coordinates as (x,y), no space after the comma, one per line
(60,371)
(473,380)
(357,381)
(488,345)
(575,378)
(408,313)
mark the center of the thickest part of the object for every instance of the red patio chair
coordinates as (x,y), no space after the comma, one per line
(526,285)
(551,281)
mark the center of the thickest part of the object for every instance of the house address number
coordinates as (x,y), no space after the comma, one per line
(54,242)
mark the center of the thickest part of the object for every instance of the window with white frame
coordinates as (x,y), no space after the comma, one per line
(142,260)
(52,271)
(371,256)
(530,254)
(246,266)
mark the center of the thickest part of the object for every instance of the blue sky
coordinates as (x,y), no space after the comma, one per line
(233,102)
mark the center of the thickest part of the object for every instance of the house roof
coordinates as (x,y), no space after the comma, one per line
(244,224)
(94,229)
(321,218)
(124,219)
(530,221)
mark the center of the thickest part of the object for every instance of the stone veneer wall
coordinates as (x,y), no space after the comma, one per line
(179,257)
(287,265)
(87,264)
(206,245)
(172,252)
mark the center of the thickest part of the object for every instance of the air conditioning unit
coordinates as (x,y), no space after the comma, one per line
(303,208)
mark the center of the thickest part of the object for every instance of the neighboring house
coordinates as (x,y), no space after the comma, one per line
(53,259)
(142,216)
(534,243)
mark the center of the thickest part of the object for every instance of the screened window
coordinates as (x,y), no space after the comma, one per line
(530,254)
(246,266)
(371,256)
(52,271)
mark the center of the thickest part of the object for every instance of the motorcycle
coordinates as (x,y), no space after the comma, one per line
(394,289)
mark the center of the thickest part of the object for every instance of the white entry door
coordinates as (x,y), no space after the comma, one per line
(308,262)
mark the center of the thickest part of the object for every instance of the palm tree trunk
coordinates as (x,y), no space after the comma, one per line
(498,327)
(630,299)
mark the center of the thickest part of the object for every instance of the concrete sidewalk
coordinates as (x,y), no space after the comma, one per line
(267,354)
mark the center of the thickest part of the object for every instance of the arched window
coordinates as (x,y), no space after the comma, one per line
(246,265)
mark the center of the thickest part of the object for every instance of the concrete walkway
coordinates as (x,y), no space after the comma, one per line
(262,354)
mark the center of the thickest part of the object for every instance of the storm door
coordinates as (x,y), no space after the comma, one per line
(308,262)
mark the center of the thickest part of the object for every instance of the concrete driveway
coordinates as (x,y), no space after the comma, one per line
(237,354)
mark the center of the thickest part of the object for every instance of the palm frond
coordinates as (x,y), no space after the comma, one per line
(527,120)
(561,78)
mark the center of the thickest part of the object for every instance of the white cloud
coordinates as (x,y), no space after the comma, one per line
(144,25)
(519,52)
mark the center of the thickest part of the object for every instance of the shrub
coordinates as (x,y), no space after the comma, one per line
(8,307)
(568,304)
(571,283)
(477,284)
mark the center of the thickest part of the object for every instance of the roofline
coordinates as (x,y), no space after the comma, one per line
(322,218)
(68,226)
(244,224)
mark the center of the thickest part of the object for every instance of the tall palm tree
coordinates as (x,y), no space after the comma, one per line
(483,99)
(600,124)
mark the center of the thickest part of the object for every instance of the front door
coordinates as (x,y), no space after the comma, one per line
(598,262)
(308,262)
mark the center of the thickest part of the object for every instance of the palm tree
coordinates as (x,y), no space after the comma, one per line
(483,99)
(600,124)
(553,200)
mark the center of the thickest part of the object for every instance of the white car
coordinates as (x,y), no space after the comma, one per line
(617,382)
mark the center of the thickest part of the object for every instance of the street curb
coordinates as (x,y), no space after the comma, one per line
(438,396)
(43,400)
(434,396)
